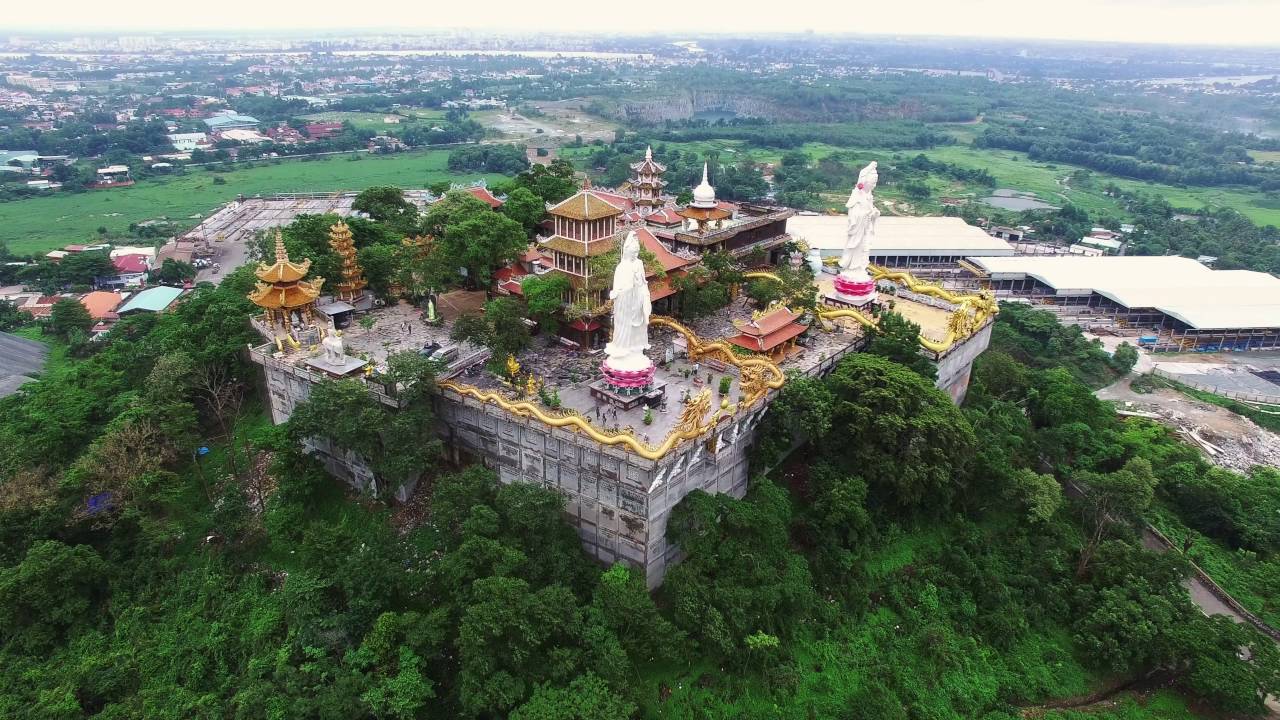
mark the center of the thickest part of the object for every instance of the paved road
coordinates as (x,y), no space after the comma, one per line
(230,255)
(1204,599)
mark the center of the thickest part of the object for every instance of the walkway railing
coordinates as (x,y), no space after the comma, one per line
(1216,590)
(1251,398)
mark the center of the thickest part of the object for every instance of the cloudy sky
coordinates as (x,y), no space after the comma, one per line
(1234,22)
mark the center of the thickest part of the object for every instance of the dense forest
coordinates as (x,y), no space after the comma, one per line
(916,559)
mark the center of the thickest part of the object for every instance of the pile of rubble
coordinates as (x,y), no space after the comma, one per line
(1240,452)
(1228,440)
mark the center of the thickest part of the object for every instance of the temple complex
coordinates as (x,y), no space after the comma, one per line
(631,409)
(351,286)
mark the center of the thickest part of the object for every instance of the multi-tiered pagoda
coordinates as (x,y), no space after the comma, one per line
(287,299)
(353,283)
(646,184)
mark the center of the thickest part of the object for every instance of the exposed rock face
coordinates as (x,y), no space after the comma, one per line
(685,104)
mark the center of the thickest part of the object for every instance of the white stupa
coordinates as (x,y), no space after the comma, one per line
(704,196)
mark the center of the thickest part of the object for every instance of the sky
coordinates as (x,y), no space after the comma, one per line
(1210,22)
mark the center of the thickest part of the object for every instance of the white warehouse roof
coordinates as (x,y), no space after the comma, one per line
(900,236)
(1179,287)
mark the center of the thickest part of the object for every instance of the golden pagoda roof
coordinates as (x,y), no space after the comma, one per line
(286,297)
(586,205)
(283,269)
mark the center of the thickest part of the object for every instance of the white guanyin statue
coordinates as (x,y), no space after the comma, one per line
(631,310)
(862,228)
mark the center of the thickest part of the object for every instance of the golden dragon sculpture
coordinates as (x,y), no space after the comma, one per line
(970,314)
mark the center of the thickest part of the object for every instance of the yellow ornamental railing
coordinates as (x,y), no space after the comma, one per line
(970,314)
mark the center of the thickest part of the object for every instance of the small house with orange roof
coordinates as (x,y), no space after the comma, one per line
(102,304)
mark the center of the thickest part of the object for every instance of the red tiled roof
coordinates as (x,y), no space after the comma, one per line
(483,194)
(669,260)
(508,279)
(616,199)
(768,323)
(660,288)
(130,263)
(664,216)
(770,341)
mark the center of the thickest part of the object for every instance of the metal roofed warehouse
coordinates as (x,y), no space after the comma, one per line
(1189,305)
(903,242)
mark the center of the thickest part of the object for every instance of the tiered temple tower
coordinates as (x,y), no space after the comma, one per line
(353,283)
(647,183)
(283,294)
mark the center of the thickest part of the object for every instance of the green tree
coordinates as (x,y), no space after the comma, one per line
(500,328)
(1124,358)
(470,237)
(69,316)
(586,698)
(398,445)
(524,207)
(51,591)
(10,317)
(913,445)
(1040,495)
(173,272)
(544,297)
(740,575)
(512,636)
(897,338)
(380,264)
(621,603)
(1111,499)
(552,182)
(387,205)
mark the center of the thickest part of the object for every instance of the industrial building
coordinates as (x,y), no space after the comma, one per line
(911,243)
(1185,305)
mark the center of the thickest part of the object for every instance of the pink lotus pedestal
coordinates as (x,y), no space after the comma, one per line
(852,292)
(629,386)
(629,381)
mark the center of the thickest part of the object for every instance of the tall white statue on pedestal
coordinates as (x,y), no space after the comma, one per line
(853,280)
(631,309)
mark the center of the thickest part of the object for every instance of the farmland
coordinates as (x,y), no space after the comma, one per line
(1052,182)
(44,223)
(377,121)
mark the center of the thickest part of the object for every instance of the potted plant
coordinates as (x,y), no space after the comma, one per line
(648,416)
(724,385)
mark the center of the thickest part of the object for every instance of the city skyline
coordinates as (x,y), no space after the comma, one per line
(1241,22)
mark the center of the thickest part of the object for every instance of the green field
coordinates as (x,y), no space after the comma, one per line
(45,223)
(376,121)
(1265,156)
